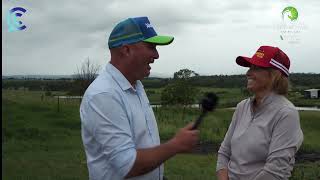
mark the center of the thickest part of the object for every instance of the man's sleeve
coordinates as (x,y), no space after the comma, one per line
(286,139)
(112,130)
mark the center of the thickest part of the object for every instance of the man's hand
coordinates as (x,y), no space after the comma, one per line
(150,158)
(186,139)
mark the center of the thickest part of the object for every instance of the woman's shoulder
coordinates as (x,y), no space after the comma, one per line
(244,102)
(284,105)
(286,111)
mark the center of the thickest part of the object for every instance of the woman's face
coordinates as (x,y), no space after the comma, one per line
(258,79)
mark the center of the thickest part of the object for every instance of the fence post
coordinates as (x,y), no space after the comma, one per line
(58,104)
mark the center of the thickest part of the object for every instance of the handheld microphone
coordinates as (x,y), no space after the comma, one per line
(208,103)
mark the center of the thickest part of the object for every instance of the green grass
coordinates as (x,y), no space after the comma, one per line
(212,129)
(216,124)
(310,124)
(154,95)
(39,142)
(191,167)
(298,99)
(306,170)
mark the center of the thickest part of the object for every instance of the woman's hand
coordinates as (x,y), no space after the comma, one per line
(223,174)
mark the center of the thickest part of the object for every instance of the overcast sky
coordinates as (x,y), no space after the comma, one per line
(209,34)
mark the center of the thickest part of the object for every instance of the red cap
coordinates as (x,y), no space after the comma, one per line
(267,56)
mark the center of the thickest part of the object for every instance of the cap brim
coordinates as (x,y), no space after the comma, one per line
(160,40)
(243,61)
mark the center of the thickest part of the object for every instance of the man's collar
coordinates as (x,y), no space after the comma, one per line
(121,79)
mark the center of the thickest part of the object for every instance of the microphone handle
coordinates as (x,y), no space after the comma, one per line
(199,120)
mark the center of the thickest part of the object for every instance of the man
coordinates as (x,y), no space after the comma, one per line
(119,130)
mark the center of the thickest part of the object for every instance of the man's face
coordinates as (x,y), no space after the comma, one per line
(142,55)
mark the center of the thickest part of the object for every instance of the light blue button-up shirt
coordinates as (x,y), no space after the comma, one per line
(116,120)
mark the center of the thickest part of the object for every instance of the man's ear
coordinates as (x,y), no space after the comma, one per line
(125,50)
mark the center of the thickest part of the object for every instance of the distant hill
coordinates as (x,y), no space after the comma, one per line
(62,82)
(152,75)
(37,77)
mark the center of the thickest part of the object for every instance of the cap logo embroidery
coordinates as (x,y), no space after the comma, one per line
(259,54)
(148,25)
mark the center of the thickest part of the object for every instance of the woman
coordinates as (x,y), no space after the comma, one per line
(265,132)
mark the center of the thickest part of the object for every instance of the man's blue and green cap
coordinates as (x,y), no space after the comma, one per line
(133,30)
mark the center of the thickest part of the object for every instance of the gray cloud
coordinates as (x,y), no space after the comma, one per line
(208,34)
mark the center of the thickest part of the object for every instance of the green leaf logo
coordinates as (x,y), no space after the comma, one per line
(292,13)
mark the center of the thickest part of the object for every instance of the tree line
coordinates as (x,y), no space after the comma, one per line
(297,80)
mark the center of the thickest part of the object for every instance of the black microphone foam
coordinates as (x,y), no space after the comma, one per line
(208,103)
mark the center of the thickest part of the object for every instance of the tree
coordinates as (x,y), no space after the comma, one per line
(86,75)
(179,91)
(184,74)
